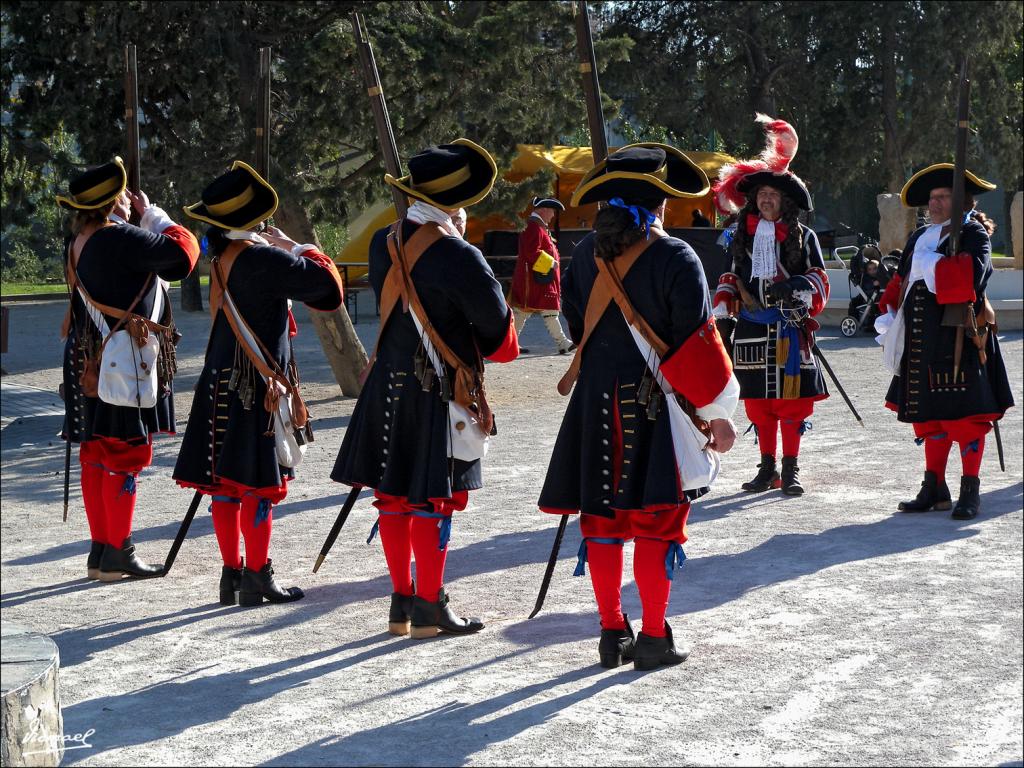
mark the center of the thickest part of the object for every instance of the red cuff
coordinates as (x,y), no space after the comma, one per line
(819,279)
(509,349)
(700,369)
(954,279)
(184,240)
(891,296)
(293,327)
(333,301)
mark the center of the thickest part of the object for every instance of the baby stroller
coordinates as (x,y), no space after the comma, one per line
(869,274)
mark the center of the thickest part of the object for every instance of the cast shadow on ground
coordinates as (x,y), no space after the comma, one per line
(140,716)
(709,582)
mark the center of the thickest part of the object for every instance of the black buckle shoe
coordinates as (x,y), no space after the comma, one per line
(260,584)
(116,564)
(617,645)
(431,619)
(92,564)
(766,477)
(934,494)
(791,477)
(400,615)
(230,584)
(969,503)
(652,652)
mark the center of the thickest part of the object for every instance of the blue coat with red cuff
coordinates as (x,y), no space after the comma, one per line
(396,441)
(224,441)
(609,455)
(113,267)
(925,390)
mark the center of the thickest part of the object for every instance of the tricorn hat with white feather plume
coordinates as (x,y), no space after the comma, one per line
(770,168)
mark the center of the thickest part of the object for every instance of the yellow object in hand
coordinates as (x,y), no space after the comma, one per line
(545,261)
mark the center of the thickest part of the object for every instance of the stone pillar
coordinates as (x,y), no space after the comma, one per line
(1017,229)
(33,730)
(895,222)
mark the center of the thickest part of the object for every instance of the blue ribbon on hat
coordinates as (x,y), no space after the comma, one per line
(641,216)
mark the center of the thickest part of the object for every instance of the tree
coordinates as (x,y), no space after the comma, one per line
(499,73)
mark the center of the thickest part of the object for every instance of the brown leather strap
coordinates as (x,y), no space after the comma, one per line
(262,360)
(603,294)
(122,315)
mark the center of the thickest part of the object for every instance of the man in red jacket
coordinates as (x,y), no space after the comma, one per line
(536,285)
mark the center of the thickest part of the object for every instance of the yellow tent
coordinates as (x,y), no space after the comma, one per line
(569,165)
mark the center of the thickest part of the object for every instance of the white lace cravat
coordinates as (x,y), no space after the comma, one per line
(763,252)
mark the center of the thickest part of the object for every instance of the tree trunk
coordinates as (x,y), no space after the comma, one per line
(342,347)
(191,295)
(891,160)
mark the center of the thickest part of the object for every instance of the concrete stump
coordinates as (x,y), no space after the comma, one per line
(33,728)
(1017,229)
(895,222)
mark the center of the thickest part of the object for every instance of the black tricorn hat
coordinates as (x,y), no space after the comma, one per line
(787,182)
(915,193)
(642,171)
(96,187)
(238,199)
(547,202)
(449,176)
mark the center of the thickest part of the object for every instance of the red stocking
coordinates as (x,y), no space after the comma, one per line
(791,437)
(936,454)
(605,562)
(257,536)
(92,495)
(426,536)
(395,536)
(766,424)
(970,456)
(652,582)
(228,527)
(119,504)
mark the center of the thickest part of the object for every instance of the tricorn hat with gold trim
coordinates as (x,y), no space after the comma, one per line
(644,170)
(238,199)
(915,193)
(96,187)
(449,176)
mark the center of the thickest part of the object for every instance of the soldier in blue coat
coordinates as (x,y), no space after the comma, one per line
(618,458)
(409,437)
(112,267)
(229,450)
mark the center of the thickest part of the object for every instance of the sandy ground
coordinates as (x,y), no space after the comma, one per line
(824,630)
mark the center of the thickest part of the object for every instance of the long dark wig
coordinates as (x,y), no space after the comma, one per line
(792,246)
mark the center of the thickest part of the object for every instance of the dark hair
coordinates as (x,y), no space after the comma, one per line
(216,241)
(80,219)
(792,246)
(985,221)
(615,230)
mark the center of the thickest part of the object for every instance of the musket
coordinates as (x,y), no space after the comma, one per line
(393,165)
(263,116)
(599,149)
(131,123)
(961,312)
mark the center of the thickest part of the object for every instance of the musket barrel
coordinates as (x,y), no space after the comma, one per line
(960,158)
(263,115)
(591,85)
(381,119)
(131,116)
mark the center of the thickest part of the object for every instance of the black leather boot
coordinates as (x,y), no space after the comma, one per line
(92,564)
(116,564)
(766,477)
(230,583)
(934,494)
(400,614)
(260,584)
(652,652)
(791,477)
(617,645)
(969,503)
(431,619)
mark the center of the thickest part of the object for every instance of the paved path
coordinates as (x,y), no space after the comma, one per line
(826,629)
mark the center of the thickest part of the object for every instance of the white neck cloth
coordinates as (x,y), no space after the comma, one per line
(421,213)
(763,252)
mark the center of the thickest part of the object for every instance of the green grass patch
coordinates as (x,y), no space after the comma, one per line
(14,289)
